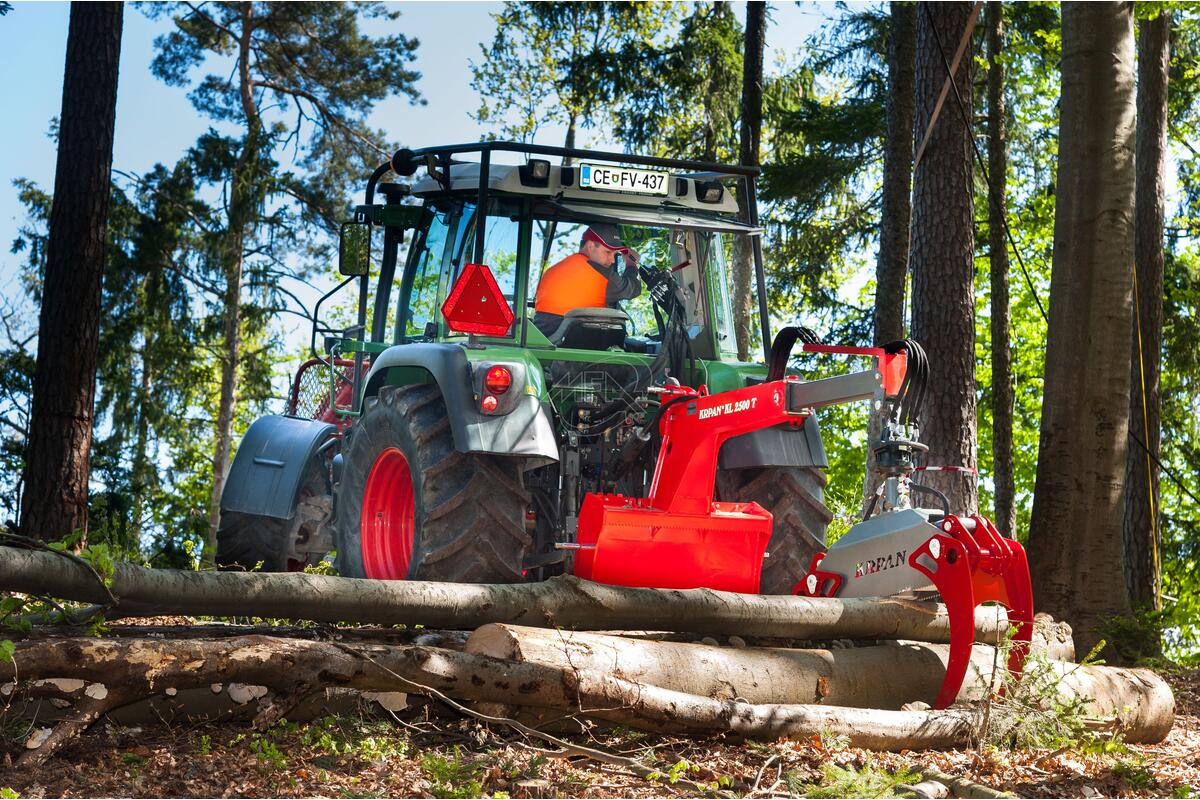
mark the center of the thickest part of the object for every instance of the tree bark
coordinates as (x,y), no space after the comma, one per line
(1001,350)
(243,191)
(1076,546)
(1142,510)
(749,144)
(64,384)
(896,212)
(882,677)
(943,254)
(564,601)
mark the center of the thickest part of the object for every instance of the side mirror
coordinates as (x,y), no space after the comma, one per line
(354,248)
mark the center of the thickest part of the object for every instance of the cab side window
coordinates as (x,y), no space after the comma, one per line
(500,238)
(420,306)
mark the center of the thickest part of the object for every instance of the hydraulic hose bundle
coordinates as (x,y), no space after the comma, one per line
(907,408)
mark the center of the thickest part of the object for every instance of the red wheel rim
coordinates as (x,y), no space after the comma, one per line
(388,517)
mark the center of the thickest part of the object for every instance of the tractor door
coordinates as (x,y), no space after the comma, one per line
(445,247)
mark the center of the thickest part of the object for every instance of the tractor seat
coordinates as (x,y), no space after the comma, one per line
(591,329)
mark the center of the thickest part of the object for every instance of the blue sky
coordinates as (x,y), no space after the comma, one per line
(156,123)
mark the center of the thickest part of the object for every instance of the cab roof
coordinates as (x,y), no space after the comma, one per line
(683,191)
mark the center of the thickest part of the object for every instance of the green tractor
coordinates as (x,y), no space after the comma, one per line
(452,439)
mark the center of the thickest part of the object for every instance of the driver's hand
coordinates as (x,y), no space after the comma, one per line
(632,258)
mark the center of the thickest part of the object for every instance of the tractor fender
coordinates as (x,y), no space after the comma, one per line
(780,446)
(269,464)
(526,430)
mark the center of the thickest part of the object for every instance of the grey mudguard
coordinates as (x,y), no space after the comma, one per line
(781,446)
(524,431)
(269,465)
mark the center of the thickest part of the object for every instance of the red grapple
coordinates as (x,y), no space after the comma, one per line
(969,563)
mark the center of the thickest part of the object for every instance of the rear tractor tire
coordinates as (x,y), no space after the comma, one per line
(411,506)
(795,496)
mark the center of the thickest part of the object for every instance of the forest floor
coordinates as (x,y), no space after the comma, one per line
(427,751)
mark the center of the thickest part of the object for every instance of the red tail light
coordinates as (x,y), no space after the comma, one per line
(488,403)
(498,380)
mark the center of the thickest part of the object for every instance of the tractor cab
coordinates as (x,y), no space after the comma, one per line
(684,227)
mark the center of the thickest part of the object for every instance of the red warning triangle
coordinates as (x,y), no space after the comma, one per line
(476,304)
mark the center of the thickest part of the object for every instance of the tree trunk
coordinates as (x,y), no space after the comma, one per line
(748,155)
(569,141)
(896,212)
(1076,547)
(1002,370)
(243,191)
(1142,510)
(943,255)
(564,601)
(142,471)
(64,383)
(882,677)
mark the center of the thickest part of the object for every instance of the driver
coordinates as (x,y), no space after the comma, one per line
(587,279)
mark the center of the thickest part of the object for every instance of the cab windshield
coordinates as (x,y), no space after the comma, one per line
(520,246)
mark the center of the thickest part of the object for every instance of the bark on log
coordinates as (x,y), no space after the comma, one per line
(882,677)
(151,665)
(564,601)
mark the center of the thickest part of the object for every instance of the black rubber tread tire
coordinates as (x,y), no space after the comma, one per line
(795,496)
(246,540)
(470,507)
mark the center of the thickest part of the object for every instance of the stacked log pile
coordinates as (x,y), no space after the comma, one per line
(789,666)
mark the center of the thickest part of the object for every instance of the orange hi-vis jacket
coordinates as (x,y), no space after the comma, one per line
(571,283)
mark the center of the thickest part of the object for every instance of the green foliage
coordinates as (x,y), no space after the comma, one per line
(267,752)
(7,650)
(1030,711)
(370,740)
(1134,773)
(849,781)
(453,777)
(560,63)
(823,124)
(682,97)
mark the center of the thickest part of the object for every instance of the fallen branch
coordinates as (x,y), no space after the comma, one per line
(959,787)
(564,601)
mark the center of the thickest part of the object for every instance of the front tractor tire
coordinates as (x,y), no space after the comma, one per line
(411,506)
(269,544)
(795,496)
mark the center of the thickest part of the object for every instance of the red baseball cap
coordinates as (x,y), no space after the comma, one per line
(606,235)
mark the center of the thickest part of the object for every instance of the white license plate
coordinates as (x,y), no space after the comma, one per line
(622,179)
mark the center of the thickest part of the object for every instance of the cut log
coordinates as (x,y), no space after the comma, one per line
(1051,639)
(564,601)
(882,677)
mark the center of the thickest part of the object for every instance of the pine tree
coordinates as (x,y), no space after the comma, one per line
(60,428)
(323,75)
